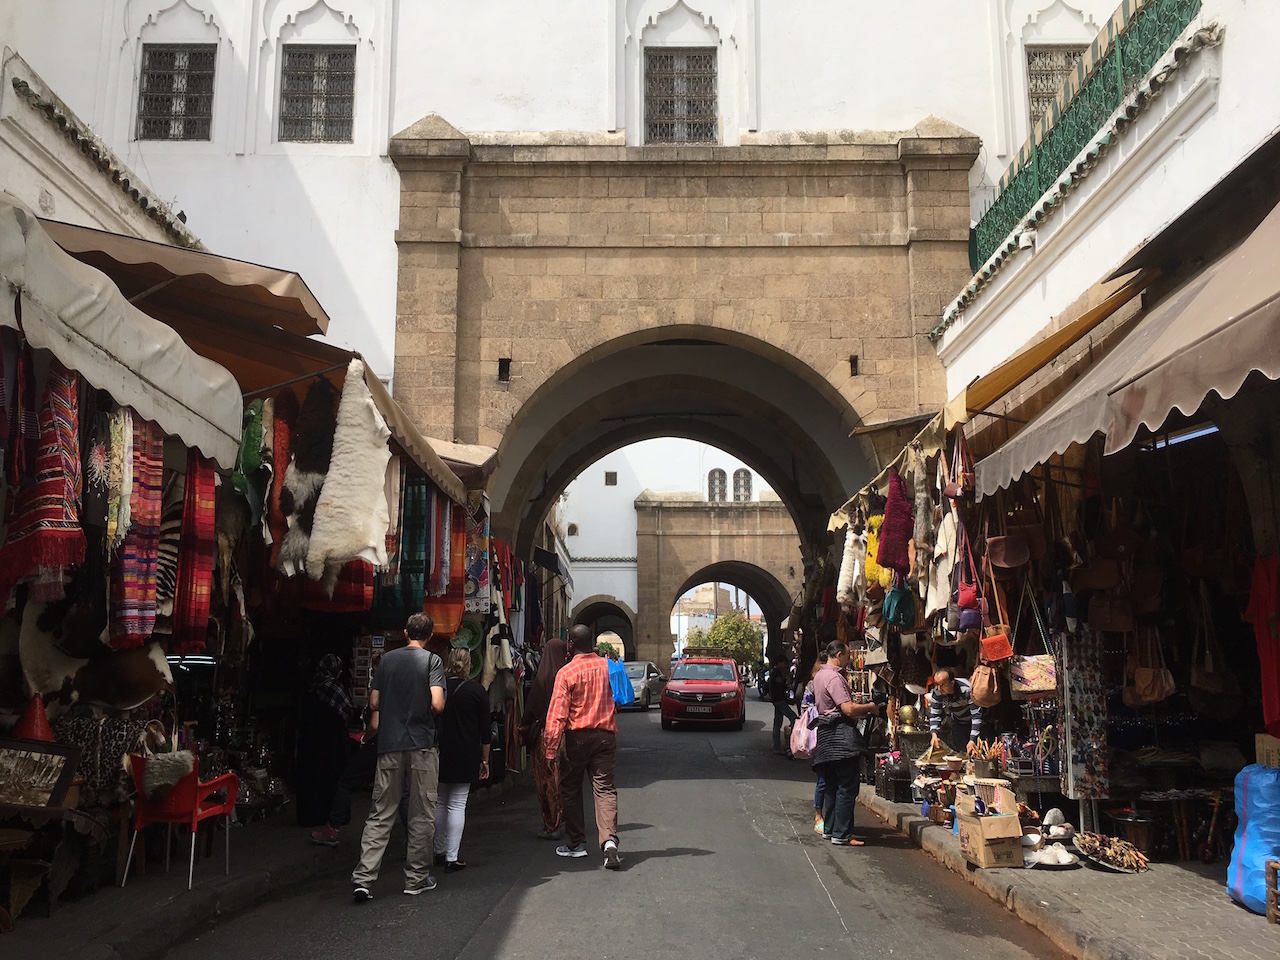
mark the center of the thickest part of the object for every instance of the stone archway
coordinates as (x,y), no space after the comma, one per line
(682,542)
(602,613)
(559,300)
(761,585)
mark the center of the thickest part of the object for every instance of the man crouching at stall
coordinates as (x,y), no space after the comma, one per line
(407,693)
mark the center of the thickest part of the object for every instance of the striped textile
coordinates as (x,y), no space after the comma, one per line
(133,573)
(353,592)
(195,557)
(43,531)
(167,551)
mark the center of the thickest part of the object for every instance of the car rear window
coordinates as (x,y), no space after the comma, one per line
(635,670)
(703,671)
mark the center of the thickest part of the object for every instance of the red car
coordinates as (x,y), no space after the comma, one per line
(704,690)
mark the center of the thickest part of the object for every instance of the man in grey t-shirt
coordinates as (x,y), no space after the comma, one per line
(407,693)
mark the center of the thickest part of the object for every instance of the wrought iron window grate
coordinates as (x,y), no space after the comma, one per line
(175,91)
(680,95)
(1109,73)
(741,485)
(1047,70)
(717,484)
(317,92)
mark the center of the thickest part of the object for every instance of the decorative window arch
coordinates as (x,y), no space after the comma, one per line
(572,530)
(741,485)
(717,486)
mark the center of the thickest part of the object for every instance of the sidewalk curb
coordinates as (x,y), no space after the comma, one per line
(156,926)
(1070,933)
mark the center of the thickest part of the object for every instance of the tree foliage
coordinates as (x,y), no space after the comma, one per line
(738,637)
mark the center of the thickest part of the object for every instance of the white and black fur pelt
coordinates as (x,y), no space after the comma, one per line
(304,477)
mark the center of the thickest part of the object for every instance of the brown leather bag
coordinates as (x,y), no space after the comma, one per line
(1111,613)
(984,685)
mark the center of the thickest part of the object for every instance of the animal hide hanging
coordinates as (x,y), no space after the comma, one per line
(165,770)
(923,532)
(351,515)
(304,477)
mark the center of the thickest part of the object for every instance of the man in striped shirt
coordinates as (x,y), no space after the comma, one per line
(950,705)
(582,714)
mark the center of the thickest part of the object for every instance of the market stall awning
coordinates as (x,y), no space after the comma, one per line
(1086,407)
(931,440)
(144,268)
(79,315)
(550,561)
(1230,330)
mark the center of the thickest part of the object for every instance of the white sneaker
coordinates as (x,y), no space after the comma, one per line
(566,851)
(612,861)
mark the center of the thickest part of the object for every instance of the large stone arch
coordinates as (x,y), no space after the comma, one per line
(762,586)
(816,264)
(600,612)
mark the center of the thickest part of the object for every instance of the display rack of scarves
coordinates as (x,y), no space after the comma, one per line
(133,568)
(446,610)
(395,600)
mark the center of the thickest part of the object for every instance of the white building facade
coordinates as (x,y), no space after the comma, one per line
(267,121)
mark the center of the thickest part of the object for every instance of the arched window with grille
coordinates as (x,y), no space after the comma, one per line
(741,486)
(572,531)
(717,486)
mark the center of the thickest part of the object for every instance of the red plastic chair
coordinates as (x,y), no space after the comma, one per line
(186,803)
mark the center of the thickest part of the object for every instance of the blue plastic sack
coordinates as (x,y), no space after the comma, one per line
(623,692)
(1257,836)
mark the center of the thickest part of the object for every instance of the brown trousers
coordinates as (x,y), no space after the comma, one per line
(593,752)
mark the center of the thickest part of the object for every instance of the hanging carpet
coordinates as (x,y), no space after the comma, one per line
(195,557)
(133,574)
(396,601)
(446,610)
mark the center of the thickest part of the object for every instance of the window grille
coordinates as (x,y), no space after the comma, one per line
(611,478)
(175,91)
(1047,71)
(680,95)
(572,531)
(741,486)
(317,92)
(717,482)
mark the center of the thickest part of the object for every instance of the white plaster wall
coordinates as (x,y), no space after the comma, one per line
(1205,123)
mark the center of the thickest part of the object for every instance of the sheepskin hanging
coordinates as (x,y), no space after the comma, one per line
(351,515)
(852,583)
(312,450)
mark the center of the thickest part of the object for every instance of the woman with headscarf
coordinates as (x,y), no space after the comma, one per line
(546,774)
(465,731)
(322,741)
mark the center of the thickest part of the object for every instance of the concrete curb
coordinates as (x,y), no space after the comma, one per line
(1071,933)
(154,926)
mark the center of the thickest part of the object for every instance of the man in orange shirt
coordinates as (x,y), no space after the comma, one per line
(582,714)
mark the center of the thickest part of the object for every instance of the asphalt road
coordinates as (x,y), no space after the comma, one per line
(720,860)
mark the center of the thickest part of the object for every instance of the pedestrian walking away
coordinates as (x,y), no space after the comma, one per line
(407,693)
(465,732)
(838,754)
(546,769)
(583,715)
(779,687)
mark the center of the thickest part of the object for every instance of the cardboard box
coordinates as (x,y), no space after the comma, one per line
(1268,749)
(990,841)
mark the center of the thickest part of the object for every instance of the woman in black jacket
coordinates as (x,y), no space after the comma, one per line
(464,732)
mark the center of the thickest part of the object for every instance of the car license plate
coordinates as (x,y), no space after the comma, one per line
(699,709)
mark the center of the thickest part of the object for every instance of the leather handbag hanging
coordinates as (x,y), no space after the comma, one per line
(1033,675)
(984,685)
(1215,691)
(1152,681)
(1111,613)
(1009,549)
(1121,540)
(898,609)
(995,641)
(961,484)
(1100,573)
